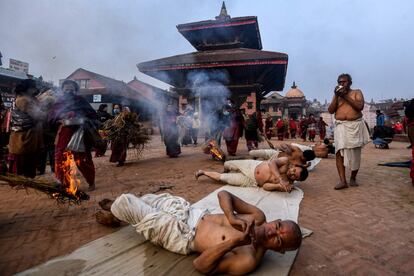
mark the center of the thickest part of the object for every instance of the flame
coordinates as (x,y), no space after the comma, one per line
(70,180)
(215,151)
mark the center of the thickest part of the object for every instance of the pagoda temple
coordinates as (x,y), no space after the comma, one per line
(229,63)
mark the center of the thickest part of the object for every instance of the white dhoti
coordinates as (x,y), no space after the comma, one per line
(241,173)
(165,220)
(265,154)
(350,137)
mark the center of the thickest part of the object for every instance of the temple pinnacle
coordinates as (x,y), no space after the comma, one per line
(223,13)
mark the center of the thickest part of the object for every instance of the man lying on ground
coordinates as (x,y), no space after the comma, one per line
(230,243)
(276,174)
(295,154)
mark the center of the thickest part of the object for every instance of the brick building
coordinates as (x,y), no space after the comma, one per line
(137,95)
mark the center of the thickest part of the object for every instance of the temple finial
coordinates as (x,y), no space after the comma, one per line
(223,13)
(294,85)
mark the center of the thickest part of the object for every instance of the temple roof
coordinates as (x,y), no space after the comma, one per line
(273,98)
(262,70)
(222,33)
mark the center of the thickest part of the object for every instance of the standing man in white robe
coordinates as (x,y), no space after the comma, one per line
(351,133)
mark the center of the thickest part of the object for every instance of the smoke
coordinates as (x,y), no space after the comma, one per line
(210,88)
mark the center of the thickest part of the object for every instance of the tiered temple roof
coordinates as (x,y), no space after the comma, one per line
(231,46)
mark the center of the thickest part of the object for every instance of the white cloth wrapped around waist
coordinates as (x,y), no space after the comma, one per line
(165,220)
(350,134)
(241,173)
(264,153)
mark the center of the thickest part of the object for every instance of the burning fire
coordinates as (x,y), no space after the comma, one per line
(69,189)
(216,152)
(70,181)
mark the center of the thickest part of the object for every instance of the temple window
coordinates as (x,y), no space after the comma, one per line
(83,84)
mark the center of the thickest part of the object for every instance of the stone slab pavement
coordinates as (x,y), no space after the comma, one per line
(367,230)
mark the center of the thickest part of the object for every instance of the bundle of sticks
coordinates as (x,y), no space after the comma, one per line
(126,128)
(270,144)
(52,188)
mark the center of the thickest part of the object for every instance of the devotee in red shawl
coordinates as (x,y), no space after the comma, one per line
(26,138)
(398,128)
(268,126)
(293,128)
(234,129)
(303,125)
(169,131)
(280,126)
(409,114)
(311,127)
(68,114)
(322,128)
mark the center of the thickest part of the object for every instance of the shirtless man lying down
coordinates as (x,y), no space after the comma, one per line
(276,174)
(230,243)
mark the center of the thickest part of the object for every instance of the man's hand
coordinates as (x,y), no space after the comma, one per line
(340,90)
(286,186)
(248,236)
(238,223)
(232,205)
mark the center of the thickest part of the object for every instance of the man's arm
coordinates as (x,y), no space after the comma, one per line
(274,165)
(231,204)
(334,104)
(357,103)
(286,148)
(280,187)
(221,258)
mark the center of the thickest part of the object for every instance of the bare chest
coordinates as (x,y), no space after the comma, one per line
(262,173)
(213,230)
(345,111)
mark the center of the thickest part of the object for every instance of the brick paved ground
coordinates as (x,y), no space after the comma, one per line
(366,230)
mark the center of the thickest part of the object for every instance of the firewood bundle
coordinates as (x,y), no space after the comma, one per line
(51,188)
(126,128)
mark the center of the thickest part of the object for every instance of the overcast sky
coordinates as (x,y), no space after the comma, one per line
(373,40)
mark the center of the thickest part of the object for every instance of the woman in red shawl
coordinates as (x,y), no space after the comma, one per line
(322,128)
(293,128)
(68,114)
(234,128)
(280,126)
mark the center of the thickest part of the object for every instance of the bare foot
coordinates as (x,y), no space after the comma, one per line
(91,188)
(198,174)
(106,204)
(107,219)
(353,183)
(341,185)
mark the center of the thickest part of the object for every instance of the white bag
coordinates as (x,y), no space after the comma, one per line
(76,142)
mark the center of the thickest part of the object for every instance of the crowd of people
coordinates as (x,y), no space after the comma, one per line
(45,125)
(306,128)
